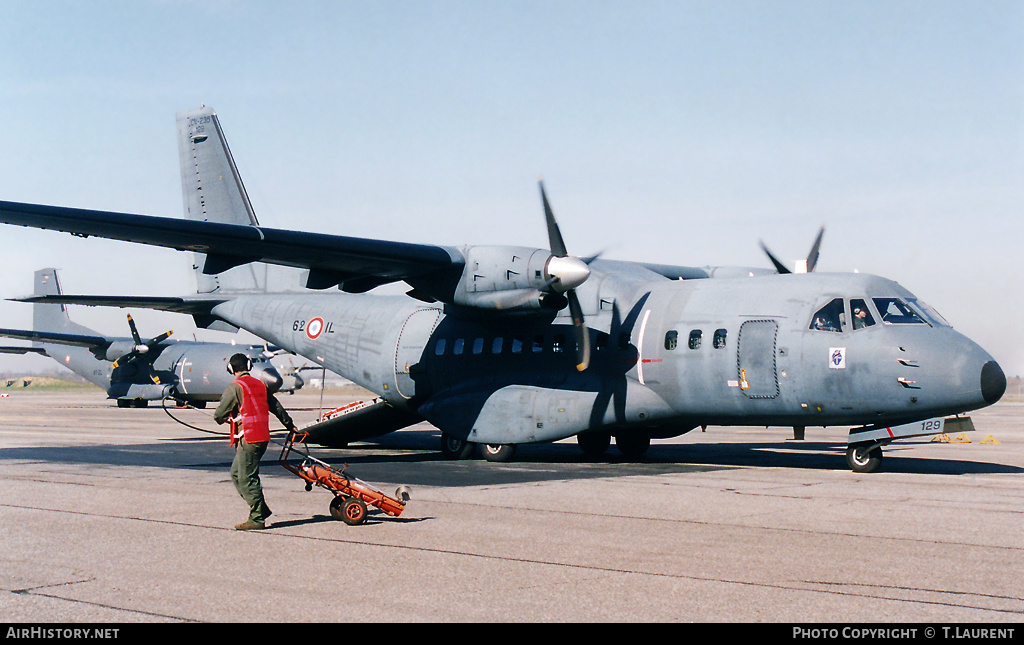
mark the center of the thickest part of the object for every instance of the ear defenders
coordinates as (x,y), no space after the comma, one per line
(239,363)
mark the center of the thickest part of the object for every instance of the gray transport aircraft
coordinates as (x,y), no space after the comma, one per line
(134,370)
(498,346)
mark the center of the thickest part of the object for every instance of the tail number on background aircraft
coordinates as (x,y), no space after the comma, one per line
(314,327)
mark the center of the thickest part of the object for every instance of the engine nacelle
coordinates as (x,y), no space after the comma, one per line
(117,349)
(508,277)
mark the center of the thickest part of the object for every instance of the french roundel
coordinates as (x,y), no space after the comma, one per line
(314,328)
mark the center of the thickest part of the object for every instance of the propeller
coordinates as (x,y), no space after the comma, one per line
(806,266)
(565,273)
(140,347)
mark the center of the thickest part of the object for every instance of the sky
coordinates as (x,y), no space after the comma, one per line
(670,132)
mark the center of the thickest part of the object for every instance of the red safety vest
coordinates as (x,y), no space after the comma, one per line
(254,410)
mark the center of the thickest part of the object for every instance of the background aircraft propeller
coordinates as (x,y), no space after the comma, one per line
(565,273)
(140,347)
(810,263)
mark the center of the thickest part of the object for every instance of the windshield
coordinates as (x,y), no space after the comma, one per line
(895,311)
(929,313)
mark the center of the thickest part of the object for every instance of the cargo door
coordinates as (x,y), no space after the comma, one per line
(756,359)
(412,342)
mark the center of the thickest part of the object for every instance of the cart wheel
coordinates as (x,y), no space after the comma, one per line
(349,510)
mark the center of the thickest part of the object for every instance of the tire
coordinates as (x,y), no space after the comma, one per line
(633,446)
(497,452)
(350,510)
(454,448)
(593,444)
(861,460)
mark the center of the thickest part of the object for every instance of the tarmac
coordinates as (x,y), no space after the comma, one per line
(114,515)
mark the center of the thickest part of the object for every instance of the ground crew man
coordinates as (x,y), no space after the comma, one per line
(247,403)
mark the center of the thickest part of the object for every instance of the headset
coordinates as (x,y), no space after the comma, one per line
(237,358)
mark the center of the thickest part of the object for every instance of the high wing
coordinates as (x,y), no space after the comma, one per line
(357,264)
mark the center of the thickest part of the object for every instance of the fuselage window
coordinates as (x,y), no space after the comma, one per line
(538,344)
(896,312)
(719,339)
(861,315)
(496,345)
(623,341)
(601,342)
(439,347)
(458,346)
(830,317)
(558,344)
(671,339)
(517,345)
(478,345)
(695,337)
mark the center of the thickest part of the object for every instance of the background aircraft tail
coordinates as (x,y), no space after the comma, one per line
(51,317)
(212,191)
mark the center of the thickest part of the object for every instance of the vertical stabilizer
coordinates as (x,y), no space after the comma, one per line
(212,191)
(50,316)
(54,318)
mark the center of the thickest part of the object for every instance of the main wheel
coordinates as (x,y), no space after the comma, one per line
(593,444)
(862,460)
(500,452)
(350,510)
(454,448)
(634,445)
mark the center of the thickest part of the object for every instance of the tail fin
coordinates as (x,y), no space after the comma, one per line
(50,316)
(212,191)
(53,317)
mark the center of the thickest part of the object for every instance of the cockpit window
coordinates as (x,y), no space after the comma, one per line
(861,314)
(896,312)
(929,313)
(830,317)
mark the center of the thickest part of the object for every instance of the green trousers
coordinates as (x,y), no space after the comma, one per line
(245,474)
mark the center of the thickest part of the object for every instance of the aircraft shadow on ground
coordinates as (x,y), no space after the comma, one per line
(413,458)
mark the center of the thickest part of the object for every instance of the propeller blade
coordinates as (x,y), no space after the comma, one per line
(580,331)
(159,339)
(812,257)
(570,273)
(779,266)
(135,331)
(555,241)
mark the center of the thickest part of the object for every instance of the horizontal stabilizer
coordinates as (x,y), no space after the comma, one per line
(10,349)
(78,340)
(175,304)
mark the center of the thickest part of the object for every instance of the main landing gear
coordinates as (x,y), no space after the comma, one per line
(456,449)
(593,444)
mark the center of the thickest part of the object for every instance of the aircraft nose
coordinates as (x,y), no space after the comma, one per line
(269,375)
(993,382)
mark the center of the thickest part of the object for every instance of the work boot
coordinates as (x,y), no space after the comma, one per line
(249,525)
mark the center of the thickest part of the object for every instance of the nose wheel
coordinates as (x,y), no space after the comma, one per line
(864,458)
